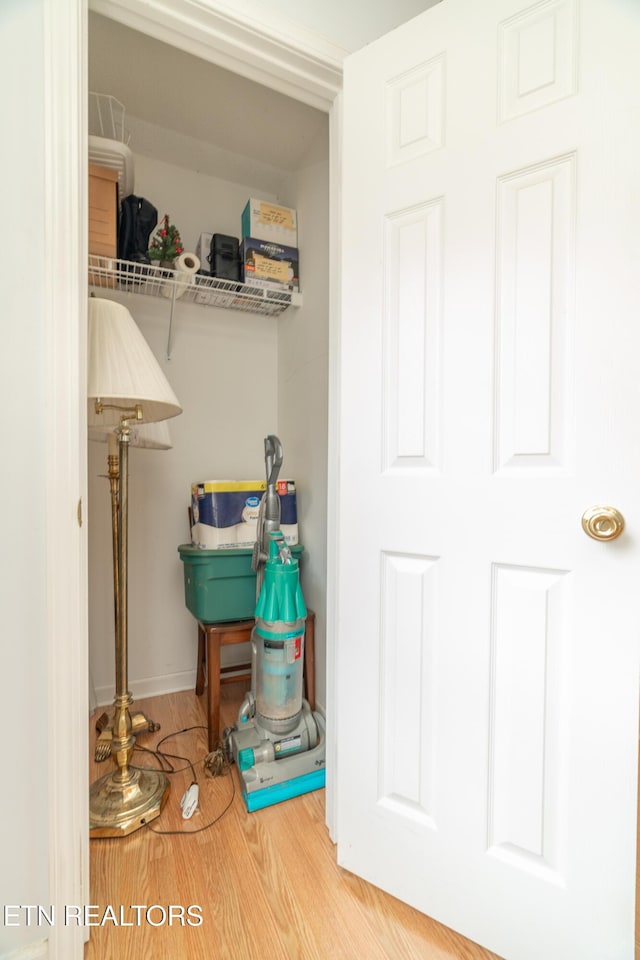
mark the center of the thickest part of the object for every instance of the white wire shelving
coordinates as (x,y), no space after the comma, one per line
(109,146)
(107,117)
(126,276)
(109,139)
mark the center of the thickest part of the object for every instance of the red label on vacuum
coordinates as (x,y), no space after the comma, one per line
(293,649)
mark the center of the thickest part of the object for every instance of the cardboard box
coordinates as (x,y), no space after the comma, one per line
(103,216)
(225,513)
(270,221)
(272,262)
(103,211)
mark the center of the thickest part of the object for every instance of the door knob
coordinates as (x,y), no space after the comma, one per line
(602,523)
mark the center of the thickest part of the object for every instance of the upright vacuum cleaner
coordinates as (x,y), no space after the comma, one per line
(278,743)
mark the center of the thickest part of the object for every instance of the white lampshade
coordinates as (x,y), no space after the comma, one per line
(122,369)
(151,436)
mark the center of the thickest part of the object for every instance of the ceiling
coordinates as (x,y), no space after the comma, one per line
(212,116)
(349,25)
(162,86)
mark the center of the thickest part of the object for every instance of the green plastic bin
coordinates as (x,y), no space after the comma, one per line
(220,585)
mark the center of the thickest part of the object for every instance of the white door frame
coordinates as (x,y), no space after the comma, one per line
(289,61)
(64,303)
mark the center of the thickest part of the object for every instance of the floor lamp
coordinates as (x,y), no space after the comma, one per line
(126,388)
(149,436)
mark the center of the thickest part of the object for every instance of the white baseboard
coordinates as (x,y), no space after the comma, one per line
(32,951)
(156,686)
(151,687)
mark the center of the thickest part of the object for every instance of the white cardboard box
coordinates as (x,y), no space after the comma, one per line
(264,220)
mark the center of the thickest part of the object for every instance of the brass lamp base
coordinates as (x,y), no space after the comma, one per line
(140,723)
(117,809)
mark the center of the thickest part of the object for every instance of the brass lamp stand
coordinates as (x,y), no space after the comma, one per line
(140,723)
(127,798)
(125,385)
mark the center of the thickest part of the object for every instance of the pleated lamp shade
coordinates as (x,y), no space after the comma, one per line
(151,436)
(122,369)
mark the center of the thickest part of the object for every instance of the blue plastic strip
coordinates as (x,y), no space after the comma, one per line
(284,791)
(271,635)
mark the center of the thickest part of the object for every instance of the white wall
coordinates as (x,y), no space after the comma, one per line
(23,714)
(215,372)
(196,201)
(225,371)
(303,351)
(238,377)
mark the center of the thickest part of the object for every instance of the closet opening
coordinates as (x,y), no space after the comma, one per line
(203,142)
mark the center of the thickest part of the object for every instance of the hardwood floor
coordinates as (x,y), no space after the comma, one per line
(267,883)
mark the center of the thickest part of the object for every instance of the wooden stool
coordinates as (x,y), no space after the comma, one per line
(213,636)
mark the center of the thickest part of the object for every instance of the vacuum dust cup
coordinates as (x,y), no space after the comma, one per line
(279,641)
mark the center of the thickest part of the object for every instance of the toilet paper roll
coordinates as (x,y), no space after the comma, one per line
(185,266)
(187,263)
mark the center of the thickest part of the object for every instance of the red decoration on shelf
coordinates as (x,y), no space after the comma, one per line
(166,244)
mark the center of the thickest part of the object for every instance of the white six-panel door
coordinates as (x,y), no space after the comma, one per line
(487,648)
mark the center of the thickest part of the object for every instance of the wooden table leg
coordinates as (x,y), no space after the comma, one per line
(213,686)
(310,659)
(200,674)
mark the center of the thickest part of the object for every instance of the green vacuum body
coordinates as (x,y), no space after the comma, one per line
(277,742)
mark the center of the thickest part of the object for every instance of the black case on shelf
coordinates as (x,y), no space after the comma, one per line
(224,258)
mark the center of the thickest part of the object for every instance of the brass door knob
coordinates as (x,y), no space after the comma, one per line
(602,523)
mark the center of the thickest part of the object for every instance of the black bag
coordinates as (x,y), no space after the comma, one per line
(138,218)
(225,257)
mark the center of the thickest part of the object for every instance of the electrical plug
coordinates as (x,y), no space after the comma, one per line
(189,802)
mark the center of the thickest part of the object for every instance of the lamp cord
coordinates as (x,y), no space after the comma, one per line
(215,763)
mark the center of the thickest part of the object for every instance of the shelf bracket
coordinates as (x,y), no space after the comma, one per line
(170,333)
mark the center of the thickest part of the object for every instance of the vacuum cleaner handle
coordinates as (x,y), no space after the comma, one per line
(269,513)
(272,458)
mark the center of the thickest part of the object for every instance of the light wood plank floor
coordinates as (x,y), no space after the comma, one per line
(267,882)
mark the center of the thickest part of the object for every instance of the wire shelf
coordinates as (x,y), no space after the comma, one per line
(127,276)
(107,118)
